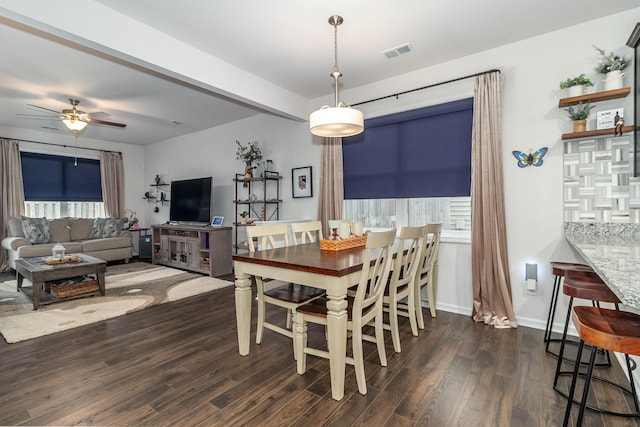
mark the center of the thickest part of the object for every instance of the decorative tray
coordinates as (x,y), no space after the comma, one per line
(338,245)
(64,260)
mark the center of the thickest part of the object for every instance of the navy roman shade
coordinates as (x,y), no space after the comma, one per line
(418,153)
(56,178)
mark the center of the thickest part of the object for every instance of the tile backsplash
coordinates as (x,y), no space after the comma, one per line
(598,180)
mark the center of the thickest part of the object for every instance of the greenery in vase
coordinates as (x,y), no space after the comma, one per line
(610,62)
(248,153)
(244,214)
(581,80)
(580,111)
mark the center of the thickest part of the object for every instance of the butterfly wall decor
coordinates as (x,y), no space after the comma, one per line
(531,159)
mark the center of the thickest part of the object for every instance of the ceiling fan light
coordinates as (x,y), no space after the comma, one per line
(74,125)
(336,122)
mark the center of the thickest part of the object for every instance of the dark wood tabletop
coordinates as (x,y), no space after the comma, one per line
(310,258)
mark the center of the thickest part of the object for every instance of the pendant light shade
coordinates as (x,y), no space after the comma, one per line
(336,121)
(340,120)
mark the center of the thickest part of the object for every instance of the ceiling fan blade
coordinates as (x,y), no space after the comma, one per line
(38,115)
(43,108)
(102,122)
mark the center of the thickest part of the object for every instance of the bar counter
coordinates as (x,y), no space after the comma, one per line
(613,251)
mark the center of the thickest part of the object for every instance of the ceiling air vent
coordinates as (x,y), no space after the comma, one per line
(398,50)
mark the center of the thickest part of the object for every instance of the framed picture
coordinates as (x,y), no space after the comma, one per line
(301,181)
(217,221)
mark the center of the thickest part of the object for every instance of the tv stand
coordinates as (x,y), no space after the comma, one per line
(203,249)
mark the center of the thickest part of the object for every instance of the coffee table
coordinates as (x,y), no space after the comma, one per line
(38,272)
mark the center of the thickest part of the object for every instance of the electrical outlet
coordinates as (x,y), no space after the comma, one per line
(526,289)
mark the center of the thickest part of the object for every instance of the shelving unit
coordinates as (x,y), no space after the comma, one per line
(202,249)
(158,188)
(595,97)
(270,203)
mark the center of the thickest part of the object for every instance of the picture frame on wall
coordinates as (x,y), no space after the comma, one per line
(301,182)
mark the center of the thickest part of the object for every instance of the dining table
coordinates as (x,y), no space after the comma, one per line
(306,264)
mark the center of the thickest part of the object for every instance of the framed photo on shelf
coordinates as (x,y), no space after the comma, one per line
(301,182)
(217,221)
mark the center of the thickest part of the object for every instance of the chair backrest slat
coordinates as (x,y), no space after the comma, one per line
(266,236)
(408,257)
(374,276)
(302,232)
(431,247)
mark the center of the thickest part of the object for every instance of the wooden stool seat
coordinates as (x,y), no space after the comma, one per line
(560,270)
(605,329)
(589,288)
(608,329)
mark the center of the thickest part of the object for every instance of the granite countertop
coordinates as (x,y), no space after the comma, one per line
(613,251)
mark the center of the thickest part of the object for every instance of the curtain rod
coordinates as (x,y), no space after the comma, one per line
(396,95)
(65,146)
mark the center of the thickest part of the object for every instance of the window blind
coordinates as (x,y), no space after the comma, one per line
(57,178)
(418,153)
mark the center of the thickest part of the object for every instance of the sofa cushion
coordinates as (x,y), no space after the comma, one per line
(80,228)
(94,245)
(106,227)
(45,249)
(60,230)
(15,227)
(36,230)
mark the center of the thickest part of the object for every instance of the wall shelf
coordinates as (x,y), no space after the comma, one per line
(600,132)
(594,97)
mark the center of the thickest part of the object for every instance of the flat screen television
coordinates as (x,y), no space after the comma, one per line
(191,201)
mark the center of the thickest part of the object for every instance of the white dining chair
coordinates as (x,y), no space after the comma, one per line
(401,284)
(285,295)
(303,232)
(427,276)
(362,309)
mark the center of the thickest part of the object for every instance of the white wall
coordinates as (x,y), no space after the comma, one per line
(132,155)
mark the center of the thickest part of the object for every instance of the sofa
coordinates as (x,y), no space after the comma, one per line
(103,238)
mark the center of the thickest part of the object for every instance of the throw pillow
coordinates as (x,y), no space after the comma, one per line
(106,227)
(36,230)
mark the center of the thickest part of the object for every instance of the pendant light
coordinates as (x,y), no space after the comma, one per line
(340,120)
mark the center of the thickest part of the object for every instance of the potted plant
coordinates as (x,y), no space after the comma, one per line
(576,85)
(248,153)
(244,216)
(611,65)
(579,114)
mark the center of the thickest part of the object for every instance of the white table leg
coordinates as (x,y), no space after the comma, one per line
(337,332)
(243,310)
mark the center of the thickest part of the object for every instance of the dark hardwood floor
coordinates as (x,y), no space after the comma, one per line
(177,364)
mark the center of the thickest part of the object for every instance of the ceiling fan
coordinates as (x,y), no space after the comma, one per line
(75,120)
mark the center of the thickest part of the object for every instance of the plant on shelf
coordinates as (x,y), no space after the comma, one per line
(579,111)
(610,62)
(581,80)
(248,153)
(579,114)
(244,216)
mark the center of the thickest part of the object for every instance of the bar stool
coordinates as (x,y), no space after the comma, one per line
(606,329)
(588,286)
(560,270)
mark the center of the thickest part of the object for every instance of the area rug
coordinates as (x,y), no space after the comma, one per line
(129,288)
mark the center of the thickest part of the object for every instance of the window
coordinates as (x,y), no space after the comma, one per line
(411,168)
(453,212)
(58,186)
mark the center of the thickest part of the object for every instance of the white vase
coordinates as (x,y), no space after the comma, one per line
(614,80)
(576,90)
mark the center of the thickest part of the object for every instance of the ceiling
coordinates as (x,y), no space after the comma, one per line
(279,47)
